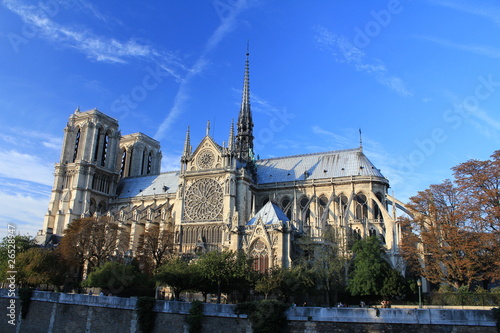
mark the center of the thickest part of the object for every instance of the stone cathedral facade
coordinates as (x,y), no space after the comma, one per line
(221,197)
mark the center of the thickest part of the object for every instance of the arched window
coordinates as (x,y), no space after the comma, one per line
(143,162)
(150,161)
(286,207)
(92,206)
(322,202)
(304,208)
(96,153)
(77,143)
(104,149)
(122,167)
(260,255)
(102,207)
(361,207)
(377,213)
(343,205)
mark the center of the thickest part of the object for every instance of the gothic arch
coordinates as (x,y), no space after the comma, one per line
(361,210)
(286,206)
(260,253)
(77,143)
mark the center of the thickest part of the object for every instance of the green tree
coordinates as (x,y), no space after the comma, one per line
(285,282)
(372,275)
(329,266)
(269,282)
(178,274)
(217,268)
(37,266)
(118,278)
(10,248)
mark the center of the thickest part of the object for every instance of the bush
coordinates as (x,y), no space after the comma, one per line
(266,316)
(195,317)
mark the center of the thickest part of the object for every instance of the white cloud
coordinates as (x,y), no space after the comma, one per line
(484,50)
(338,140)
(228,21)
(346,52)
(491,13)
(24,211)
(95,47)
(14,164)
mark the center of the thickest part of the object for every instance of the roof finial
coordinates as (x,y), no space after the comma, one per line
(208,128)
(360,140)
(231,136)
(187,145)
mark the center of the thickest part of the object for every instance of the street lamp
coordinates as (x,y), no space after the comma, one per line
(419,284)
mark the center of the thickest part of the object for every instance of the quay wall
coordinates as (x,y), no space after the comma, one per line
(60,312)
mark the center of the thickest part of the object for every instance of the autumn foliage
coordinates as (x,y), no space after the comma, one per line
(454,232)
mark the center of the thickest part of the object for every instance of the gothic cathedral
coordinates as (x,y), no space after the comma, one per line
(222,197)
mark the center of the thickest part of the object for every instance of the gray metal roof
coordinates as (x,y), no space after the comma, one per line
(333,164)
(271,213)
(164,183)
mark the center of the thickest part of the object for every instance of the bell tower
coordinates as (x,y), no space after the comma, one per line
(87,173)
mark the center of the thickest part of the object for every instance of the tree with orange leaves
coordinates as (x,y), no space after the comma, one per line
(453,234)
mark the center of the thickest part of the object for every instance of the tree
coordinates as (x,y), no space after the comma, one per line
(329,266)
(37,266)
(89,242)
(10,248)
(269,282)
(285,282)
(178,274)
(216,268)
(372,275)
(155,247)
(118,278)
(479,183)
(445,241)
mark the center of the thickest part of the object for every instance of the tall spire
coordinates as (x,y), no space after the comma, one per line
(230,141)
(244,137)
(187,146)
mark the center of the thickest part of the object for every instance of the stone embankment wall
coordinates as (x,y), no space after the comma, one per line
(59,312)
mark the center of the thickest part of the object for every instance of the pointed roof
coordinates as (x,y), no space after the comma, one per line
(244,135)
(230,141)
(187,145)
(271,213)
(245,116)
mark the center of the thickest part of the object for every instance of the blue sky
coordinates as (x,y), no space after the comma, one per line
(420,78)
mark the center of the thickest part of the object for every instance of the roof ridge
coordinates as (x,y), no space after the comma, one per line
(312,154)
(150,175)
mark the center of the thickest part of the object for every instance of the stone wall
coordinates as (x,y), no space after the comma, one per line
(59,312)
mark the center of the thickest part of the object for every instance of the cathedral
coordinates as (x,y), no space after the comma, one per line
(222,196)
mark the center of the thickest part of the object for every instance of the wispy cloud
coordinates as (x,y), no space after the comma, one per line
(484,50)
(346,52)
(20,137)
(24,211)
(98,48)
(489,12)
(27,167)
(338,141)
(228,22)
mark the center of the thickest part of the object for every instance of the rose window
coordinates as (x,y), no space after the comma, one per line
(204,200)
